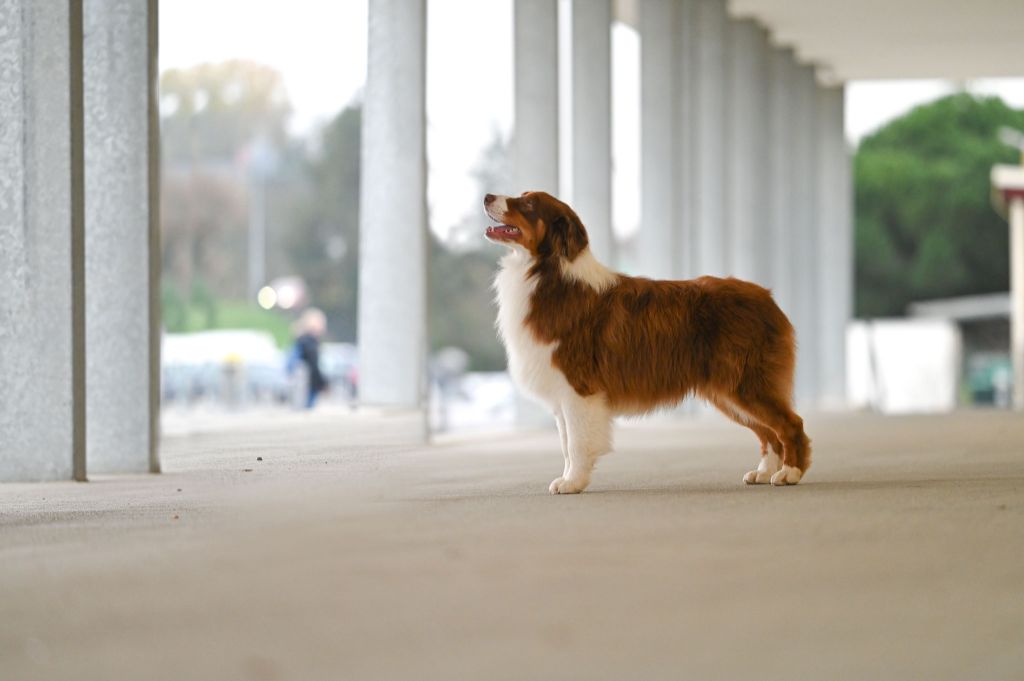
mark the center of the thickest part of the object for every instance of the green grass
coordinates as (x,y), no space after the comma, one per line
(240,315)
(207,314)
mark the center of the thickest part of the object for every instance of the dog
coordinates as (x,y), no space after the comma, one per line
(591,344)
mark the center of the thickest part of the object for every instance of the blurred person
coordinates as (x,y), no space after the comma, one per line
(308,330)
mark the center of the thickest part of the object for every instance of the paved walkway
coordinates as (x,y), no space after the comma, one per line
(337,557)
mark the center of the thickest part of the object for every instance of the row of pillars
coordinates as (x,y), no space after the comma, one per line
(745,172)
(79,246)
(744,163)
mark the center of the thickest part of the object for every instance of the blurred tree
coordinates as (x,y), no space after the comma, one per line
(211,112)
(492,173)
(323,248)
(211,116)
(323,243)
(925,227)
(202,220)
(462,308)
(462,271)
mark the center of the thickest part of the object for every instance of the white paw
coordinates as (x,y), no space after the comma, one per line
(567,486)
(787,475)
(757,477)
(766,468)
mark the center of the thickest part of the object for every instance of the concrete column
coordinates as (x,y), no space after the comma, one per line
(746,158)
(835,247)
(658,176)
(779,185)
(42,250)
(535,138)
(666,110)
(393,215)
(685,100)
(121,228)
(535,141)
(708,136)
(804,245)
(592,122)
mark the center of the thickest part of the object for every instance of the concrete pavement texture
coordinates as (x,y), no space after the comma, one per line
(328,547)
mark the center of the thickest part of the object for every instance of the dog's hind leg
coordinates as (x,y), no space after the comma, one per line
(771,447)
(777,415)
(766,469)
(588,427)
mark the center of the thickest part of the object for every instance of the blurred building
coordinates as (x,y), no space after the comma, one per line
(745,172)
(982,322)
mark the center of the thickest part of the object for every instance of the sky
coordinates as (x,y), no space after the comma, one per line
(319,46)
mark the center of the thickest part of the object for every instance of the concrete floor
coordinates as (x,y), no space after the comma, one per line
(338,557)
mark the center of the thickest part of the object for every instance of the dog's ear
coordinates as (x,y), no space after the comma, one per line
(568,237)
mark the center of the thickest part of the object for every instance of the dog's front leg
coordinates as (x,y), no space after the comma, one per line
(588,424)
(563,437)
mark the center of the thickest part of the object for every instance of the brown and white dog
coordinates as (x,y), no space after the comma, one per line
(591,344)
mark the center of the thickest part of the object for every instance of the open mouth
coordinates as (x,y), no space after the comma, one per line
(503,233)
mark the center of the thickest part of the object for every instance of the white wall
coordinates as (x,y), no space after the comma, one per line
(900,366)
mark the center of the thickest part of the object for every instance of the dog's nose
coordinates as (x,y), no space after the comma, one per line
(488,199)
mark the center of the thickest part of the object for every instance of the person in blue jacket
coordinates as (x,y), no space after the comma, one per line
(309,329)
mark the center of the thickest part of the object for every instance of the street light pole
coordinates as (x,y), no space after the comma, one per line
(257,236)
(261,167)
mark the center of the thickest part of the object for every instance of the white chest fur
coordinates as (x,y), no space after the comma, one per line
(529,361)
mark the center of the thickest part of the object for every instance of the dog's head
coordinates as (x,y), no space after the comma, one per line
(538,223)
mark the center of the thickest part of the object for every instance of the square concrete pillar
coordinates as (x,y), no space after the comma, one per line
(535,135)
(835,247)
(666,115)
(658,175)
(804,258)
(122,235)
(746,153)
(592,122)
(42,263)
(393,210)
(708,134)
(535,140)
(780,184)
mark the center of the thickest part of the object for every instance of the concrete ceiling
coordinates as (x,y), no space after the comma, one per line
(882,39)
(877,39)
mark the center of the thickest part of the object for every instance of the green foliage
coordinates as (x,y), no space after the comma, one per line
(233,314)
(202,312)
(212,115)
(213,118)
(203,304)
(925,227)
(323,242)
(211,111)
(203,215)
(460,298)
(173,308)
(462,308)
